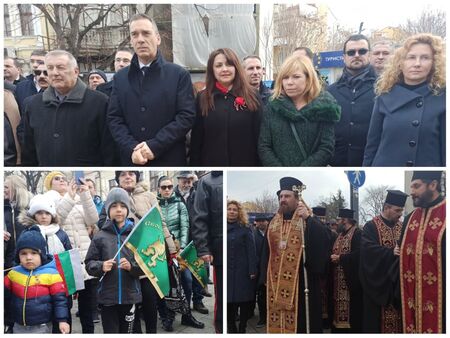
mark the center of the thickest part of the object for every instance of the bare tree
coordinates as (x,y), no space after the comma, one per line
(266,203)
(333,203)
(429,21)
(372,204)
(337,36)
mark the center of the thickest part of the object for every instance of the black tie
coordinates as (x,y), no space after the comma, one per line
(145,70)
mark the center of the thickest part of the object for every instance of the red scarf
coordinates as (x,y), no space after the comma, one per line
(239,102)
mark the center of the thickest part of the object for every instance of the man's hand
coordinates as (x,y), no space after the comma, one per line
(64,327)
(397,250)
(124,264)
(6,236)
(138,158)
(72,190)
(207,258)
(335,258)
(108,265)
(145,151)
(303,211)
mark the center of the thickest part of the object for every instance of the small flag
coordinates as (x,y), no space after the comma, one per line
(69,267)
(188,257)
(147,243)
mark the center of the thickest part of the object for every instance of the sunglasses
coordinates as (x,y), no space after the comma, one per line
(60,178)
(166,187)
(39,72)
(352,52)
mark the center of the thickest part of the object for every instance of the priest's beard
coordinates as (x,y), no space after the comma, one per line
(424,200)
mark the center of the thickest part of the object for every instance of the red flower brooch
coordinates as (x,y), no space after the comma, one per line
(239,103)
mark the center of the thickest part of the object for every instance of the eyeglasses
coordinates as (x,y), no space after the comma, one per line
(352,52)
(60,178)
(39,72)
(166,187)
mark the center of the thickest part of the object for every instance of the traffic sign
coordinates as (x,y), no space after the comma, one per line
(356,178)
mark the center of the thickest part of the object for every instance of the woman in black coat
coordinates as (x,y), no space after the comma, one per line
(226,128)
(408,121)
(241,268)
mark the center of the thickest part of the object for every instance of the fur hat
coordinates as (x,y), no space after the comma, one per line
(49,178)
(117,195)
(31,238)
(41,202)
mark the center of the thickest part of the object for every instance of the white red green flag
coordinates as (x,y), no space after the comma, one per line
(69,267)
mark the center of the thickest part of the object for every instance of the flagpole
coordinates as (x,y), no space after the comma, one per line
(128,237)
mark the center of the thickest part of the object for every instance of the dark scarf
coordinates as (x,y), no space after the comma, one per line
(355,80)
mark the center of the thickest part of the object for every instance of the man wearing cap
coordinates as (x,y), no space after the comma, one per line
(96,78)
(378,241)
(347,292)
(422,257)
(282,263)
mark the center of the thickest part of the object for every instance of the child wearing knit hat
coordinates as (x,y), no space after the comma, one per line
(35,288)
(42,213)
(119,290)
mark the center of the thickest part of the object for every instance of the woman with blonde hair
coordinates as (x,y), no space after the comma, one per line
(241,268)
(298,123)
(407,127)
(226,129)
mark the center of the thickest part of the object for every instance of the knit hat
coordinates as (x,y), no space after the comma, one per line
(185,174)
(118,175)
(31,238)
(117,195)
(99,72)
(41,202)
(49,178)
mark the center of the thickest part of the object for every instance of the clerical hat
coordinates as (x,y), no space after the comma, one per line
(319,211)
(396,197)
(346,213)
(289,183)
(427,175)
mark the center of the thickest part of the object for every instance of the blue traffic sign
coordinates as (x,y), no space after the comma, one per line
(356,178)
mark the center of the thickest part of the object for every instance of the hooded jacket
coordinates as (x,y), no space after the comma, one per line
(118,286)
(314,124)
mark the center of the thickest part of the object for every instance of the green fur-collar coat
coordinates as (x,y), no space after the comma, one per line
(315,127)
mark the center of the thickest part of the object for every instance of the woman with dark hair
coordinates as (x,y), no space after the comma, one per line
(241,268)
(226,129)
(407,127)
(298,124)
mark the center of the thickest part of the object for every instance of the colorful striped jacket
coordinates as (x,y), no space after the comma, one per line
(37,296)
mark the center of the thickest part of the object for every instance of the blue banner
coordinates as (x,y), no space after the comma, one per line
(330,59)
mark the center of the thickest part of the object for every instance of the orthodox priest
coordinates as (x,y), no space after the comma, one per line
(347,292)
(379,239)
(295,252)
(422,257)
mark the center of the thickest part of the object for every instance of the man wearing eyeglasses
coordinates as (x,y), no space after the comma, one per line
(354,92)
(122,59)
(32,85)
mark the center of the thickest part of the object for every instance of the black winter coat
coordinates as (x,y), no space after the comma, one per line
(160,112)
(15,228)
(118,286)
(207,225)
(356,101)
(241,263)
(226,137)
(69,133)
(23,90)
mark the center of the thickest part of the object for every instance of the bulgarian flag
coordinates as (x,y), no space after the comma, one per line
(69,267)
(188,258)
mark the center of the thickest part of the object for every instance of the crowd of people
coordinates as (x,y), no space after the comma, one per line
(71,215)
(149,113)
(308,275)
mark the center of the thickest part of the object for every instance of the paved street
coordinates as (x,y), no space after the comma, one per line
(178,328)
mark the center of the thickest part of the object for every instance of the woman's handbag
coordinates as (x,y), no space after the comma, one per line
(176,300)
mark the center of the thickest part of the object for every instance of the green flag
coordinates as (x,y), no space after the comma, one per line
(147,242)
(192,262)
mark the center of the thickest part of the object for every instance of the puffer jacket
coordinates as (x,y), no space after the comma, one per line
(118,286)
(141,200)
(37,296)
(176,217)
(75,217)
